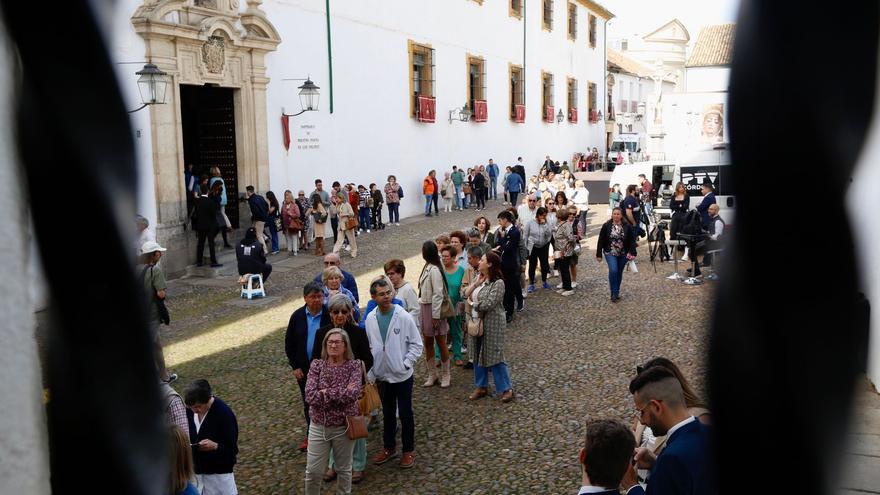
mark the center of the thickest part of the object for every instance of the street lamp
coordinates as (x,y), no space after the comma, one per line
(152,85)
(308,97)
(464,114)
(560,117)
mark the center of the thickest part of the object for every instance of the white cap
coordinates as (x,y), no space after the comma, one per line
(150,247)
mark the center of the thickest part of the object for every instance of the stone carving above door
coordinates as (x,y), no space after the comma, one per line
(214,54)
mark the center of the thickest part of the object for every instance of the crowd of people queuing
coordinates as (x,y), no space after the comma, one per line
(470,286)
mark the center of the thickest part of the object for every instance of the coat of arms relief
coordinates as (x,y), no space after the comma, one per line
(214,54)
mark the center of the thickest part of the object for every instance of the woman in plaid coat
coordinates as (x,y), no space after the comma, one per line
(486,297)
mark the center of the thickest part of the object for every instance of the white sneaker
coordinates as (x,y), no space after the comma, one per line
(556,274)
(574,285)
(348,247)
(566,293)
(368,231)
(684,258)
(559,286)
(398,224)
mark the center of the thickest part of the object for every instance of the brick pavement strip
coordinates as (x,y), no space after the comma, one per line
(570,360)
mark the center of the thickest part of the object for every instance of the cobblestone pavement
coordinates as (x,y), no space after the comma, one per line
(570,360)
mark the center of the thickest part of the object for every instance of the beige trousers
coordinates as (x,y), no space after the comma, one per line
(321,441)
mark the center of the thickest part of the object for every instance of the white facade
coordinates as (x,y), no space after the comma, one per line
(705,79)
(371,133)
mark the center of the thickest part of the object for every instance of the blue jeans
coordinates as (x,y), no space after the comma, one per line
(428,199)
(499,373)
(458,196)
(398,396)
(273,233)
(393,212)
(493,187)
(616,264)
(364,218)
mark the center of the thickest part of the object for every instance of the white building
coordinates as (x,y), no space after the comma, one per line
(665,47)
(235,67)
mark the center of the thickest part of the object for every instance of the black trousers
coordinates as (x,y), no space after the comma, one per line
(434,200)
(334,224)
(481,197)
(539,254)
(398,396)
(208,235)
(512,290)
(563,264)
(513,197)
(302,391)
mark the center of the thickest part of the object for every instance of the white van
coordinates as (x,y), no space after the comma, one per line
(626,144)
(713,165)
(658,173)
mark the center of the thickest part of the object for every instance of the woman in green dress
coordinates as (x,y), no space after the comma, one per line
(453,273)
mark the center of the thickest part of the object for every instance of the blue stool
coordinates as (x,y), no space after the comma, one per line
(252,286)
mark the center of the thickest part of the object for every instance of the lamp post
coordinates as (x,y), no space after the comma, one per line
(152,85)
(560,117)
(308,97)
(464,114)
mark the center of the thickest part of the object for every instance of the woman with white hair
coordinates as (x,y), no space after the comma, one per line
(332,278)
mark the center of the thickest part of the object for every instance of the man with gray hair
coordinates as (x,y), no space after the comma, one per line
(475,239)
(683,467)
(526,213)
(396,344)
(299,341)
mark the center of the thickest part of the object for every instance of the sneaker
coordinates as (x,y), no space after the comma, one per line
(368,231)
(531,288)
(520,308)
(684,258)
(398,224)
(712,276)
(216,265)
(384,456)
(559,286)
(574,285)
(546,285)
(468,365)
(276,251)
(509,318)
(566,292)
(407,460)
(348,247)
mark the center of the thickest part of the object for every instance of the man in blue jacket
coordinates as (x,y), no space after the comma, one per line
(492,169)
(214,438)
(515,186)
(684,465)
(708,200)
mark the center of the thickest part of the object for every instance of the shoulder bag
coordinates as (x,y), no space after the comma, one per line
(369,400)
(351,223)
(474,326)
(356,426)
(296,225)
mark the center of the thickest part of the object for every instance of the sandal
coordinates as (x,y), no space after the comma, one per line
(479,394)
(330,475)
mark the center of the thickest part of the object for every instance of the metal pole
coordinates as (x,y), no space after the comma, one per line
(330,56)
(524,53)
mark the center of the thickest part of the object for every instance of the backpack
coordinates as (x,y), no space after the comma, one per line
(692,223)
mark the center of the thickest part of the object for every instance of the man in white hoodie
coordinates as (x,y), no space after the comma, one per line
(396,344)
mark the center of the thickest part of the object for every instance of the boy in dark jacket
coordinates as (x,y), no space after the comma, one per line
(214,438)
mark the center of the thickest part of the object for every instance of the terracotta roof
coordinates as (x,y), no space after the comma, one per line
(714,46)
(628,65)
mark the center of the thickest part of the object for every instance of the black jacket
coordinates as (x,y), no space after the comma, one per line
(206,214)
(509,244)
(360,343)
(255,262)
(295,338)
(629,239)
(220,426)
(259,208)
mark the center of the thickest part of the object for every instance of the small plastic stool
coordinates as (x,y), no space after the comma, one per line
(250,289)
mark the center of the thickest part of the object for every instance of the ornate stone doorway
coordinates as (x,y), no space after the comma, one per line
(205,42)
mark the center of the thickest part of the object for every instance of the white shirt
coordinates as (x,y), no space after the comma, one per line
(526,214)
(719,229)
(679,425)
(592,489)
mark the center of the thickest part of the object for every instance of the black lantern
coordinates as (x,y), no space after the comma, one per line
(560,117)
(309,96)
(152,84)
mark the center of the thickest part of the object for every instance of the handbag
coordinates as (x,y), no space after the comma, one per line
(319,217)
(466,189)
(279,227)
(400,192)
(351,223)
(356,426)
(296,225)
(475,327)
(447,310)
(369,400)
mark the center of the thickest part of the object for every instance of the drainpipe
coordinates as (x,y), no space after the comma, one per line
(525,78)
(330,56)
(604,83)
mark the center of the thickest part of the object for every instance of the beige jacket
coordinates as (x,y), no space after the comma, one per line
(431,289)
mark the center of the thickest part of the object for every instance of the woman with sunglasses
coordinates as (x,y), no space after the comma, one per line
(341,316)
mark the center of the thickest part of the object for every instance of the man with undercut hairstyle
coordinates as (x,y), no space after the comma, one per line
(605,456)
(683,467)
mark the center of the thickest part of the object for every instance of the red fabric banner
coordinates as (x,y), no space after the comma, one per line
(427,108)
(594,116)
(573,115)
(481,111)
(519,113)
(549,117)
(285,131)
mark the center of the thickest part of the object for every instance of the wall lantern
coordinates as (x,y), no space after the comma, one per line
(308,97)
(599,116)
(464,114)
(152,85)
(560,117)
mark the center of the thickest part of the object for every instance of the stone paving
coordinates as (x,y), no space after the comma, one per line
(570,360)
